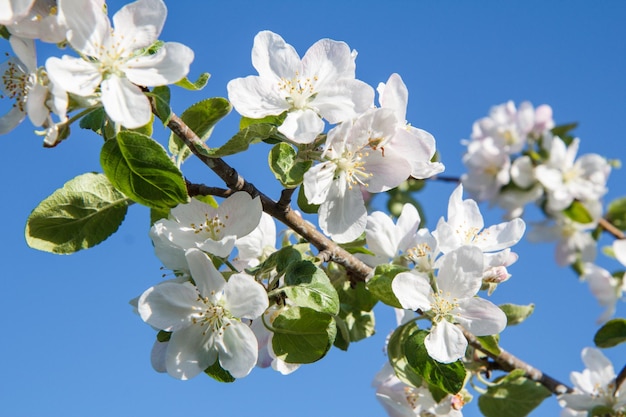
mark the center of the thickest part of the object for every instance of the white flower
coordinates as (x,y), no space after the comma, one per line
(321,85)
(465,227)
(402,400)
(488,169)
(349,163)
(267,357)
(42,21)
(199,225)
(12,11)
(417,145)
(115,60)
(595,386)
(21,83)
(452,301)
(205,319)
(256,246)
(567,178)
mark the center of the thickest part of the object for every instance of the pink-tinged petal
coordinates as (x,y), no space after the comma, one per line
(240,213)
(245,298)
(413,291)
(89,27)
(500,236)
(238,349)
(343,216)
(256,97)
(74,75)
(169,306)
(272,57)
(9,121)
(167,66)
(619,247)
(302,126)
(138,24)
(445,343)
(157,356)
(481,317)
(190,352)
(395,96)
(124,102)
(460,273)
(208,279)
(317,182)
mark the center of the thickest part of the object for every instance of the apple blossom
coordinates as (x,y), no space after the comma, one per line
(595,386)
(257,245)
(115,62)
(452,300)
(267,357)
(205,319)
(42,21)
(12,11)
(488,169)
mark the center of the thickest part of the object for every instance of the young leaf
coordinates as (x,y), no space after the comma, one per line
(161,96)
(243,139)
(616,213)
(306,285)
(512,396)
(611,334)
(199,84)
(355,312)
(86,211)
(397,357)
(141,169)
(273,120)
(578,212)
(302,335)
(287,169)
(380,284)
(303,203)
(218,373)
(515,314)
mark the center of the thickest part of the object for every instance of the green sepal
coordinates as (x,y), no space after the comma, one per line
(201,117)
(161,97)
(302,335)
(616,213)
(516,314)
(563,132)
(380,284)
(306,285)
(218,373)
(140,168)
(86,211)
(163,336)
(304,204)
(283,162)
(197,85)
(578,213)
(612,333)
(512,395)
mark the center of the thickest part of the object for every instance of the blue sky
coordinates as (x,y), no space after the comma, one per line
(71,344)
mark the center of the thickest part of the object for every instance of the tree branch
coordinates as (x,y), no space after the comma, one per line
(608,226)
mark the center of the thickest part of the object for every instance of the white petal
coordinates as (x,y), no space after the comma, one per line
(245,298)
(600,367)
(74,75)
(302,126)
(343,100)
(24,49)
(169,305)
(138,24)
(481,317)
(240,213)
(89,27)
(125,103)
(167,66)
(256,97)
(445,343)
(387,171)
(220,248)
(157,356)
(238,349)
(412,290)
(317,182)
(189,352)
(9,121)
(36,104)
(619,247)
(13,10)
(208,279)
(500,236)
(461,271)
(343,216)
(380,233)
(273,57)
(395,96)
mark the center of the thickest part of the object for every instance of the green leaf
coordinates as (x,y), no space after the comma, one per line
(512,396)
(303,203)
(163,336)
(284,164)
(199,84)
(516,314)
(94,120)
(218,373)
(611,334)
(450,377)
(380,283)
(302,335)
(278,261)
(616,213)
(158,214)
(397,357)
(563,131)
(578,212)
(356,304)
(306,285)
(242,140)
(86,211)
(201,117)
(490,343)
(161,96)
(140,168)
(273,120)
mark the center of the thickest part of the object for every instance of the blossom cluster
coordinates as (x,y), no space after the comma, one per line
(113,65)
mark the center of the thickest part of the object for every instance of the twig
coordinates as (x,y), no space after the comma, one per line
(608,226)
(620,378)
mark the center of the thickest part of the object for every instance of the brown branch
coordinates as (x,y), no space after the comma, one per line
(620,378)
(508,362)
(608,226)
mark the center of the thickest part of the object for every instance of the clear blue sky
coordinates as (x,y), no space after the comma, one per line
(71,345)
